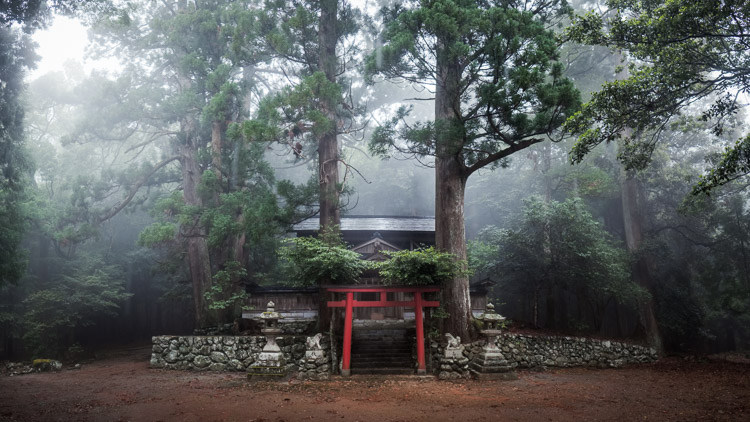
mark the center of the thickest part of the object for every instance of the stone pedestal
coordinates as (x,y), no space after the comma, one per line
(491,364)
(452,368)
(315,365)
(453,363)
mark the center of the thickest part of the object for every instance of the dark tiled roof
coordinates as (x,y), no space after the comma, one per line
(405,224)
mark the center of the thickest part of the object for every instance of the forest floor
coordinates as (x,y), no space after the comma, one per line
(121,387)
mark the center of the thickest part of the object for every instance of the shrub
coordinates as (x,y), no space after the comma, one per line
(420,267)
(311,261)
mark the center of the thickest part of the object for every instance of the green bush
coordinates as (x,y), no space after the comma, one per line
(420,267)
(90,291)
(310,261)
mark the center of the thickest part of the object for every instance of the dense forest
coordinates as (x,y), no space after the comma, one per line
(585,158)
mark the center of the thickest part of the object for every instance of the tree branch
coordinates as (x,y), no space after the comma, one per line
(133,191)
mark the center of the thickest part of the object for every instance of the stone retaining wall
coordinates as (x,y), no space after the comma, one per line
(219,353)
(530,352)
(238,353)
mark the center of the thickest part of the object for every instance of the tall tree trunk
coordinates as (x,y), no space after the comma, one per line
(450,185)
(450,237)
(633,227)
(328,149)
(328,152)
(234,247)
(197,253)
(550,308)
(198,257)
(217,131)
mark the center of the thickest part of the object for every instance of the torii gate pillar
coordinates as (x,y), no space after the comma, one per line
(417,302)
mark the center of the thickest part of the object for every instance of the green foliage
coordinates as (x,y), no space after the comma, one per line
(291,30)
(192,67)
(89,290)
(312,261)
(160,232)
(12,229)
(35,14)
(227,291)
(496,66)
(733,163)
(685,52)
(419,267)
(15,57)
(558,244)
(297,109)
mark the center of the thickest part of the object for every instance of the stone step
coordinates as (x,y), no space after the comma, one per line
(381,332)
(382,351)
(370,359)
(381,347)
(396,357)
(378,341)
(382,371)
(385,352)
(383,344)
(381,338)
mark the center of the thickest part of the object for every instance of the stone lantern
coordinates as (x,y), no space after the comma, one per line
(490,363)
(270,361)
(492,321)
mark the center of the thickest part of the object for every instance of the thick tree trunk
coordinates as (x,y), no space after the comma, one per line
(234,247)
(450,237)
(633,226)
(450,185)
(328,149)
(197,250)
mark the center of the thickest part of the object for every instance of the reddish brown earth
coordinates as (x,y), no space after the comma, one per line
(121,387)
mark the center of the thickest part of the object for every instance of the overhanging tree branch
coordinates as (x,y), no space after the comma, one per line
(133,191)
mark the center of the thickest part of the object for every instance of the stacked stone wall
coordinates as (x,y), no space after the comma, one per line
(219,353)
(535,352)
(238,353)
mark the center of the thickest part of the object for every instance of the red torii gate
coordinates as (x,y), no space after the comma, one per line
(350,303)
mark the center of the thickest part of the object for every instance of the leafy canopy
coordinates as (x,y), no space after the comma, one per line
(509,90)
(683,52)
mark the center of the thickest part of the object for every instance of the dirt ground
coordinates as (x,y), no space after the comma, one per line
(121,387)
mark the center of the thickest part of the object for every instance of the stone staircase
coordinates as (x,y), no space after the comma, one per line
(382,350)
